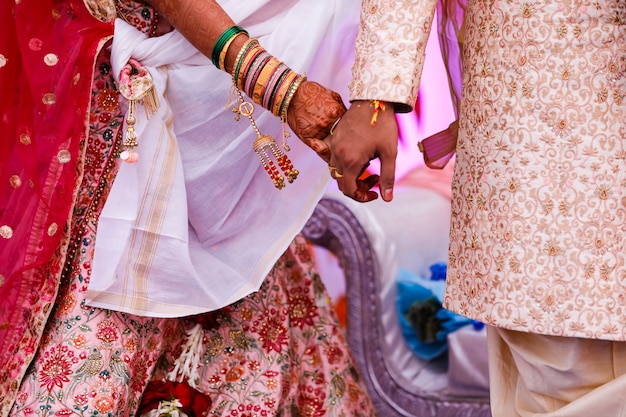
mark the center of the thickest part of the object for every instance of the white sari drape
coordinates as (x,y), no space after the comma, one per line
(197,224)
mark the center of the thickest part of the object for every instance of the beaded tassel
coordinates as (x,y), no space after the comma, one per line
(130,139)
(136,86)
(267,149)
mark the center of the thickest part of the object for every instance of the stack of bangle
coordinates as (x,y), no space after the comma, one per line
(269,82)
(218,55)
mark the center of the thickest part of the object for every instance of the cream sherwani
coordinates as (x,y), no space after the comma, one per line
(537,240)
(539,194)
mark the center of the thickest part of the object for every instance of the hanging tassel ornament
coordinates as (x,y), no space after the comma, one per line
(137,87)
(266,148)
(130,139)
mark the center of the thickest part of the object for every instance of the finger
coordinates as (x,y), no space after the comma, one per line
(350,174)
(320,147)
(363,193)
(363,196)
(369,182)
(387,176)
(365,169)
(359,189)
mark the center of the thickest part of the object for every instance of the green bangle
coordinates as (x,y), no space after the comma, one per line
(223,40)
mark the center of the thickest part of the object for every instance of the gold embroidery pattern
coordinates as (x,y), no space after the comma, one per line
(541,141)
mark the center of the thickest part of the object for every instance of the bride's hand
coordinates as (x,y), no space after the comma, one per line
(312,112)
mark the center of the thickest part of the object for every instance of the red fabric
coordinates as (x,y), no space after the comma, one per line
(36,186)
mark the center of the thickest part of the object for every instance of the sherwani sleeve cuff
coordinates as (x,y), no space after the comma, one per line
(390,49)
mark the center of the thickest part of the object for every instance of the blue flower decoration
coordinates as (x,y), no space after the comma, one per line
(425,323)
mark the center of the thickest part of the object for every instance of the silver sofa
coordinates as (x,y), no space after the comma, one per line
(399,385)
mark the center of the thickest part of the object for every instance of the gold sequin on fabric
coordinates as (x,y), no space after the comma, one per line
(51,60)
(76,79)
(64,156)
(3,61)
(25,139)
(52,229)
(49,98)
(56,14)
(108,100)
(6,232)
(15,181)
(2,280)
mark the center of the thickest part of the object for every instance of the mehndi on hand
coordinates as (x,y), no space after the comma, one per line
(311,114)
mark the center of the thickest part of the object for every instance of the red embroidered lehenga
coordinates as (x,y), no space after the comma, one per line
(279,351)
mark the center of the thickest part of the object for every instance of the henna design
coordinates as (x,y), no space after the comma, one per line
(313,110)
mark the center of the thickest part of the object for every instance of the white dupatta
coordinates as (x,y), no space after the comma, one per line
(197,224)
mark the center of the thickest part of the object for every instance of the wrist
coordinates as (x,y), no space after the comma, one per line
(375,109)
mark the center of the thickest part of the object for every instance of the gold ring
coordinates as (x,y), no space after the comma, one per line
(334,125)
(338,175)
(331,169)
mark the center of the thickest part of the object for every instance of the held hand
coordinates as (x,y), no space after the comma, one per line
(311,114)
(355,141)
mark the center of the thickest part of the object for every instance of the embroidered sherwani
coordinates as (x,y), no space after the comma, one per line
(539,197)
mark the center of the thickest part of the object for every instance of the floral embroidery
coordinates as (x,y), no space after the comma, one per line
(56,367)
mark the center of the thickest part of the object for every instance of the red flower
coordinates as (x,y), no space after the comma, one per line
(302,311)
(107,331)
(200,405)
(194,403)
(334,353)
(273,335)
(234,374)
(56,368)
(107,100)
(156,391)
(208,321)
(311,405)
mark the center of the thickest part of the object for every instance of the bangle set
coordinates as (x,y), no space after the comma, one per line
(218,55)
(270,84)
(266,80)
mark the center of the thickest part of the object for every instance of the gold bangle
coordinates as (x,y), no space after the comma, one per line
(266,72)
(332,128)
(248,58)
(292,92)
(243,49)
(282,93)
(221,63)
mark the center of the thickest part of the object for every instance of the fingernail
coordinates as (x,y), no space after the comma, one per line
(388,194)
(360,196)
